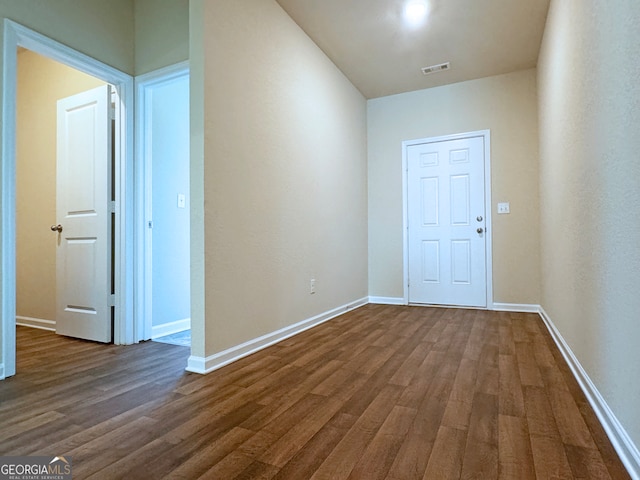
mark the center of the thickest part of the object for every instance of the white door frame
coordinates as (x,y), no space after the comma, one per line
(486,135)
(143,174)
(15,36)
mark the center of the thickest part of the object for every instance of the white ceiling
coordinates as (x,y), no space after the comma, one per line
(373,46)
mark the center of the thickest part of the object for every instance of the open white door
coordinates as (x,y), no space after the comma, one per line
(83,227)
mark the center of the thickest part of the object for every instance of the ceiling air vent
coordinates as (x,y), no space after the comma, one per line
(436,68)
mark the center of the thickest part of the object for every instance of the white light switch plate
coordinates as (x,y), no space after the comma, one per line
(503,207)
(181,200)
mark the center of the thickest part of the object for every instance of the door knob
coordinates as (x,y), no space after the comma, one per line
(56,228)
(479,218)
(480,230)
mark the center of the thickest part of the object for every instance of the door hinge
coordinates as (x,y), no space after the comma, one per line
(112,206)
(112,112)
(111,300)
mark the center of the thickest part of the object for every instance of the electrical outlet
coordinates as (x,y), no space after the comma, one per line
(503,207)
(312,286)
(182,200)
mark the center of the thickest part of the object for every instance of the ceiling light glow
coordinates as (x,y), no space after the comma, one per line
(416,11)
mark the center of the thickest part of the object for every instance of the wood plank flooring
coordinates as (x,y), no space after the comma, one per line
(382,392)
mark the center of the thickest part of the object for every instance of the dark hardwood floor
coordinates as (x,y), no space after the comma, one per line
(380,392)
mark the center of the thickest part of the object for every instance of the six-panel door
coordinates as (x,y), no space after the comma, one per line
(446,222)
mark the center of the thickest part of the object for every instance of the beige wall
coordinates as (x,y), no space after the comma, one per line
(161,33)
(284,174)
(108,30)
(589,171)
(102,30)
(41,83)
(504,104)
(196,174)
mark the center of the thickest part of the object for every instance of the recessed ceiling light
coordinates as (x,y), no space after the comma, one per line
(416,11)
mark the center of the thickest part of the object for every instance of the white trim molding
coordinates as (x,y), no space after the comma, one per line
(170,328)
(387,300)
(516,307)
(622,443)
(219,360)
(39,323)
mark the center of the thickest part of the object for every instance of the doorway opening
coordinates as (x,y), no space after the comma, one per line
(162,129)
(15,36)
(447,220)
(64,137)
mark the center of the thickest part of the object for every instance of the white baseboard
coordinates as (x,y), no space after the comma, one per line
(620,440)
(516,307)
(209,364)
(502,307)
(36,323)
(170,328)
(387,300)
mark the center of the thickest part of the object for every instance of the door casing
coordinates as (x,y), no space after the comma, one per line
(486,135)
(16,35)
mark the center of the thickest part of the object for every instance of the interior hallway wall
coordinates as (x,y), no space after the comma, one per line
(102,30)
(507,106)
(161,33)
(281,172)
(41,83)
(589,123)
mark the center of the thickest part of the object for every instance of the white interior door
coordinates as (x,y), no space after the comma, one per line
(83,260)
(446,223)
